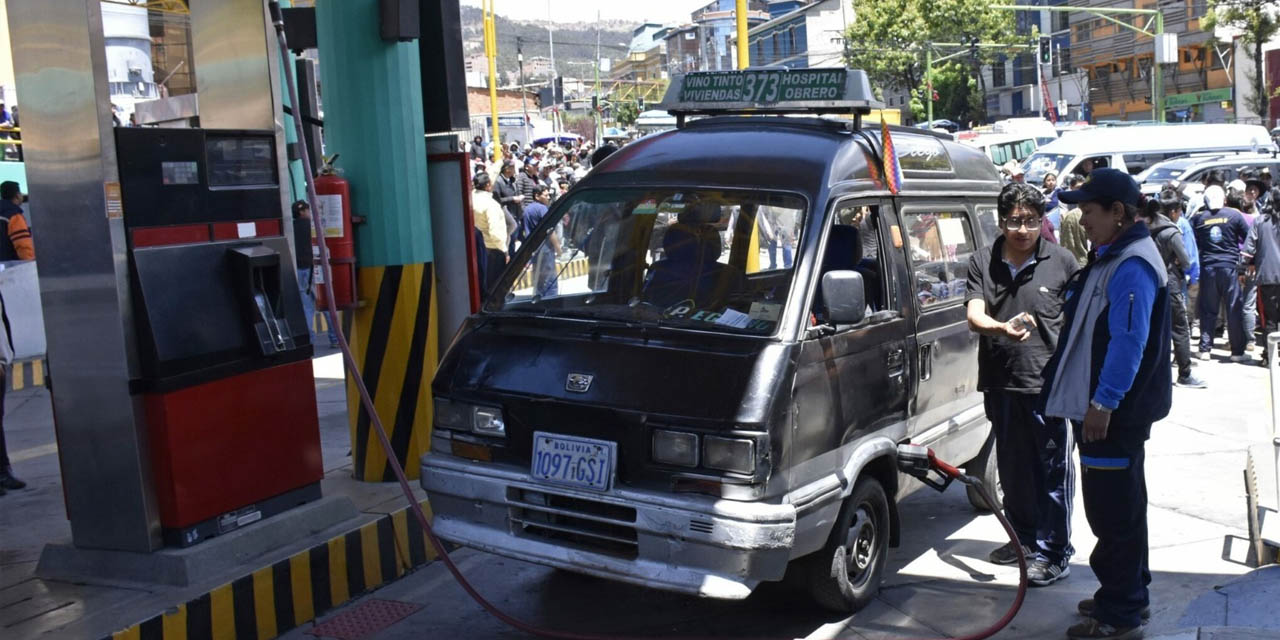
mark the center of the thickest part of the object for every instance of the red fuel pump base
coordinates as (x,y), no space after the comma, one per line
(367,401)
(263,465)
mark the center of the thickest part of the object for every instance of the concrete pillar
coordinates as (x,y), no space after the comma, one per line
(373,117)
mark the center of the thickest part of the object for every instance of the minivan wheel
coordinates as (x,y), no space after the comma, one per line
(845,574)
(985,467)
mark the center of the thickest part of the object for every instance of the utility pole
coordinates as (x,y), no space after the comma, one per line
(744,55)
(491,51)
(524,106)
(928,73)
(555,73)
(598,112)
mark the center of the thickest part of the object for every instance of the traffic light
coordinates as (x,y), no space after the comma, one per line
(1046,50)
(640,104)
(559,90)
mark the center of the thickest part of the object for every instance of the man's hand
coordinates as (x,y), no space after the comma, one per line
(518,199)
(1095,425)
(1250,270)
(1021,335)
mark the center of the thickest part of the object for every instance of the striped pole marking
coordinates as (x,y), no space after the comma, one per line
(273,600)
(573,269)
(26,373)
(393,340)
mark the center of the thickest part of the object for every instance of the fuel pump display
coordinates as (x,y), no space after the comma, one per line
(224,370)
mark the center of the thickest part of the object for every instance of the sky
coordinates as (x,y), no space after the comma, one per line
(661,11)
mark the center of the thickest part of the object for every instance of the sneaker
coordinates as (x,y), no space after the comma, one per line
(1091,628)
(1203,355)
(1008,554)
(1087,606)
(1043,573)
(1190,381)
(1240,357)
(9,482)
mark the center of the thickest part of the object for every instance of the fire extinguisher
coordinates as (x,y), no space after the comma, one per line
(333,195)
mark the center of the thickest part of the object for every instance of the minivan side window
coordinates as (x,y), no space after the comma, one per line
(939,243)
(853,244)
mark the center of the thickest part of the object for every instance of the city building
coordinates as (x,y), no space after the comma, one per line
(537,67)
(810,35)
(707,43)
(1118,62)
(1014,87)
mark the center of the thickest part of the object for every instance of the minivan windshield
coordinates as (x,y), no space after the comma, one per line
(1040,164)
(710,259)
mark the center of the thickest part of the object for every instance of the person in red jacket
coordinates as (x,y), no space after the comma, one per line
(15,235)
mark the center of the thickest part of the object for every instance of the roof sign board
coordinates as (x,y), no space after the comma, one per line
(778,90)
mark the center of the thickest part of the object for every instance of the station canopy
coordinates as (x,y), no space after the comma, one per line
(771,90)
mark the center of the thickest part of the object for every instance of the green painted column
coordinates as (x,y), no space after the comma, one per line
(297,181)
(372,96)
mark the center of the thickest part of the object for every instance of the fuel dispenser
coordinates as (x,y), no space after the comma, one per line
(225,376)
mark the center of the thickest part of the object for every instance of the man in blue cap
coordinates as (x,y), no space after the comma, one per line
(1110,376)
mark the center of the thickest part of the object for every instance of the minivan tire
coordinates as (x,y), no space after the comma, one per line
(986,468)
(845,574)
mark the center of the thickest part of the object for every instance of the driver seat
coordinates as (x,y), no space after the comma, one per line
(690,269)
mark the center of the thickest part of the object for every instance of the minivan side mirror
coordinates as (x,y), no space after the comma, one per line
(845,297)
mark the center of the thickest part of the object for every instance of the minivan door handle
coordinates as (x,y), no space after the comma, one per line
(926,361)
(895,360)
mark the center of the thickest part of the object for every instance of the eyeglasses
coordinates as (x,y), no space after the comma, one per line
(1013,224)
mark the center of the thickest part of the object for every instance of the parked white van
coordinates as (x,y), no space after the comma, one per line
(1002,147)
(1133,149)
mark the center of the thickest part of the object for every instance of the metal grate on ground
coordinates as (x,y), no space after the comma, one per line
(364,620)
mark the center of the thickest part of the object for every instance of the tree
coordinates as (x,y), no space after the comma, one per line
(887,38)
(1255,20)
(958,97)
(625,112)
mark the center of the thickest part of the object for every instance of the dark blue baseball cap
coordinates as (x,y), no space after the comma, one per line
(1105,185)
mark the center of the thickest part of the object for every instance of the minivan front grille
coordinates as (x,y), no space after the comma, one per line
(587,524)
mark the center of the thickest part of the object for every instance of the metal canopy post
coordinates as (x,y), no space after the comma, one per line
(84,274)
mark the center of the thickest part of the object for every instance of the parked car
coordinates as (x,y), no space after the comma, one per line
(1193,168)
(1135,148)
(694,414)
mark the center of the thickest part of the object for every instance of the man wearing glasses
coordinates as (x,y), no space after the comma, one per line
(1014,301)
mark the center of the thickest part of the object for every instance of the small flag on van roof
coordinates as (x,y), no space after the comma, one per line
(892,170)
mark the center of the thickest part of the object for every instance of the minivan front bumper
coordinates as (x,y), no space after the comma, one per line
(687,543)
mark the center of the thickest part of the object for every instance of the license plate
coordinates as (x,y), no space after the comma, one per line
(572,461)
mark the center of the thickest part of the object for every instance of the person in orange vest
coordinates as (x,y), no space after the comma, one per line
(15,235)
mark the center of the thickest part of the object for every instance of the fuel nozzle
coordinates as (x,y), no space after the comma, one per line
(919,461)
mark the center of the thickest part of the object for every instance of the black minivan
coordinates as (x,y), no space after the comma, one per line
(697,370)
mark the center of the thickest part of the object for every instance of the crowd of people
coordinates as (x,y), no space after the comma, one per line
(1076,343)
(511,196)
(1208,235)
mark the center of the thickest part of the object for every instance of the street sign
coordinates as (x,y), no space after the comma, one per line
(771,90)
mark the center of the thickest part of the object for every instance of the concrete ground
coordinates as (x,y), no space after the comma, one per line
(938,582)
(31,607)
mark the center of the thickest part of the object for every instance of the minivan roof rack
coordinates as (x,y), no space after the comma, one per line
(770,90)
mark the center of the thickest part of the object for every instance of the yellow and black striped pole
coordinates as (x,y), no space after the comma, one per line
(374,118)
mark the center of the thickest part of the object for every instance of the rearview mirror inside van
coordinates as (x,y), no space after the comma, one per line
(844,296)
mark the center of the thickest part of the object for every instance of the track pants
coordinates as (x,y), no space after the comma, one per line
(1181,329)
(1269,310)
(1113,483)
(1218,284)
(1033,454)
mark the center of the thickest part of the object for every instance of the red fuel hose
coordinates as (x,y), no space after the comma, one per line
(354,371)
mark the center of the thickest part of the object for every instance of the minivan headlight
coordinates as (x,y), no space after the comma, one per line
(675,448)
(729,454)
(462,416)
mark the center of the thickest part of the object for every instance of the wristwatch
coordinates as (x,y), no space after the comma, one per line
(1098,406)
